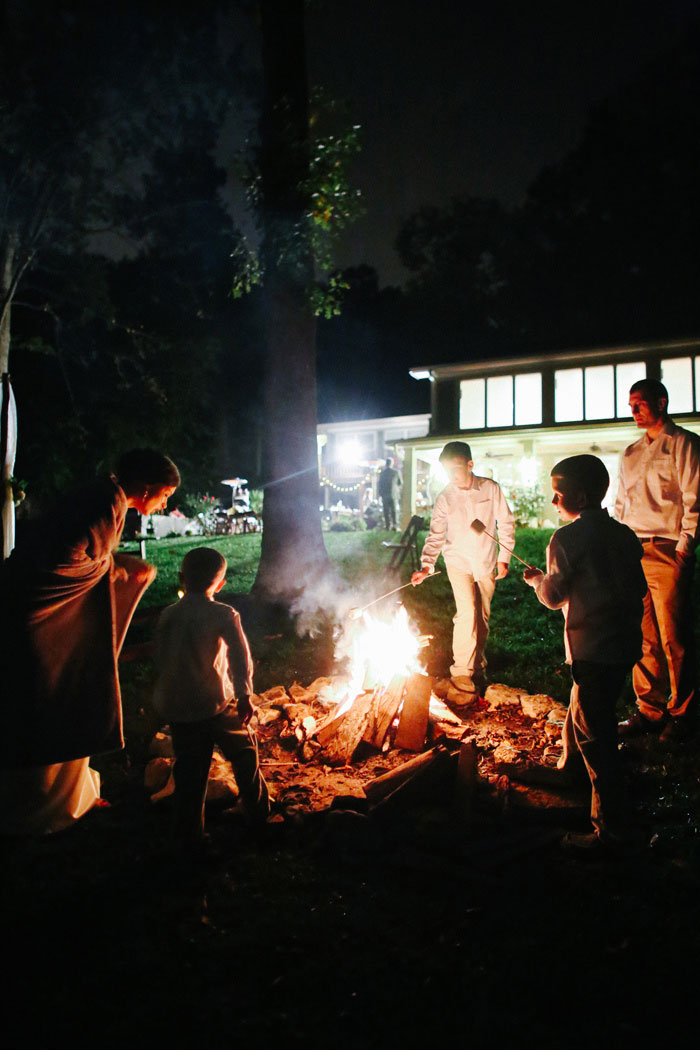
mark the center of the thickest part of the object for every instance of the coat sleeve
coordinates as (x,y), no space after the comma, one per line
(688,466)
(240,660)
(505,526)
(553,589)
(438,534)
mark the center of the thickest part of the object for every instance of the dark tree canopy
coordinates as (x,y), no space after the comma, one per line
(604,250)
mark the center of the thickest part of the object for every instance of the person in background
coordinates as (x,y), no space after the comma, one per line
(66,599)
(204,684)
(474,561)
(594,576)
(659,499)
(388,490)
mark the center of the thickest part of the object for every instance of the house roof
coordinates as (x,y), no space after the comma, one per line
(574,357)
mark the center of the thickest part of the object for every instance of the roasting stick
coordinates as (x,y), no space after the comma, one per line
(355,614)
(479,527)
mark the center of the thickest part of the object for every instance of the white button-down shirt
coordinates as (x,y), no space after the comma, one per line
(450,528)
(202,659)
(594,576)
(659,489)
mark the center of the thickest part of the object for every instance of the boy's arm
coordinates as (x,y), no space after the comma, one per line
(435,541)
(505,526)
(552,588)
(240,664)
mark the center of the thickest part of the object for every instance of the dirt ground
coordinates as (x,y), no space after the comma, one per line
(349,929)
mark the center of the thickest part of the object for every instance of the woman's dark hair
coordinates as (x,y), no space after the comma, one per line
(145,466)
(200,567)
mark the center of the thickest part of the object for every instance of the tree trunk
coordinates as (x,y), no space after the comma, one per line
(8,419)
(293,553)
(7,262)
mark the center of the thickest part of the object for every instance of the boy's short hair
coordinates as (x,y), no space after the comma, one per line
(588,472)
(652,390)
(200,568)
(456,450)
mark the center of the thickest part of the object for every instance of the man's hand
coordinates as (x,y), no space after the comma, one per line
(501,570)
(245,710)
(684,558)
(531,576)
(420,575)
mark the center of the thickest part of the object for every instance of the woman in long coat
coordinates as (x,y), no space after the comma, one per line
(66,600)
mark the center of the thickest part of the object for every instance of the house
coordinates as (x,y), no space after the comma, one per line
(351,454)
(521,415)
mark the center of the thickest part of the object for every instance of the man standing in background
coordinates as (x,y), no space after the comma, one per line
(388,490)
(659,499)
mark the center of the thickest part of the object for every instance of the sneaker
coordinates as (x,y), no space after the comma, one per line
(590,845)
(464,683)
(638,725)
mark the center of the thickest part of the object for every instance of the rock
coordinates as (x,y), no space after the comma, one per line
(266,715)
(508,758)
(157,774)
(537,706)
(552,730)
(502,696)
(301,695)
(278,694)
(221,783)
(162,746)
(295,712)
(558,714)
(317,685)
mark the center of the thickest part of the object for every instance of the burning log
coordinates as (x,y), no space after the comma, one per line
(383,711)
(350,730)
(382,786)
(413,724)
(329,728)
(429,781)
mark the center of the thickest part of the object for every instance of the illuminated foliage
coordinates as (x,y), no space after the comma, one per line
(328,203)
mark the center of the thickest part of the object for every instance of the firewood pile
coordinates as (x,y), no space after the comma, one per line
(315,755)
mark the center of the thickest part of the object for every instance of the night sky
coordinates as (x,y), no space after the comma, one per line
(471,99)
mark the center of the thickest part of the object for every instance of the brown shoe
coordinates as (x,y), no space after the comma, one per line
(464,683)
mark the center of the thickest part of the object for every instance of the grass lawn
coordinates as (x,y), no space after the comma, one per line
(351,931)
(525,645)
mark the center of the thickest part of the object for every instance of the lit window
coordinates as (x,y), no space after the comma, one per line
(625,375)
(528,398)
(471,404)
(568,394)
(600,392)
(677,377)
(499,401)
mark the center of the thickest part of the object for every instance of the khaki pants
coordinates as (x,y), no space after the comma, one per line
(664,679)
(471,622)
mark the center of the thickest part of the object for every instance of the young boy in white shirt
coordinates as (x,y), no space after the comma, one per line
(204,684)
(473,560)
(594,576)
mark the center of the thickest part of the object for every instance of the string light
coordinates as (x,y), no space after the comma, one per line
(345,488)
